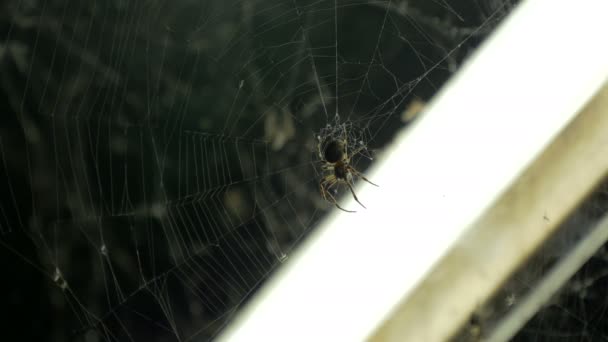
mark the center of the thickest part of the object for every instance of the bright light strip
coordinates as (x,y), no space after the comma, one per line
(483,129)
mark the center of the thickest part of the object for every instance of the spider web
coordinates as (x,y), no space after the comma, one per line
(577,311)
(159,159)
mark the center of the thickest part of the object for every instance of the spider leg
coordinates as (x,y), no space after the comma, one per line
(326,167)
(339,207)
(354,195)
(325,186)
(360,175)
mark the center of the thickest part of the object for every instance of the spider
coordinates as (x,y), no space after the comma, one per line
(335,159)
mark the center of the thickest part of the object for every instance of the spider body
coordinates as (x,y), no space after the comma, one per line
(335,162)
(334,151)
(341,170)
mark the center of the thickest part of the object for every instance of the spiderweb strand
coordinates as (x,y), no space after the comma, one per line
(159,160)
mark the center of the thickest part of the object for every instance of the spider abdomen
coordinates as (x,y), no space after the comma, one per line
(334,151)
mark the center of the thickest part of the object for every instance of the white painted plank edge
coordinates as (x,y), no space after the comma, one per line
(506,234)
(484,128)
(551,283)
